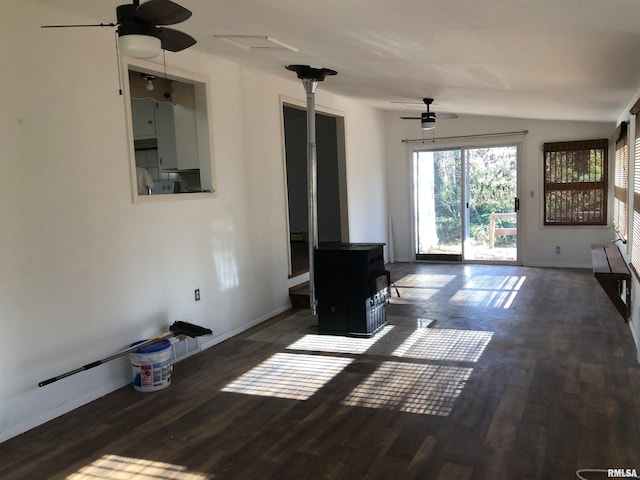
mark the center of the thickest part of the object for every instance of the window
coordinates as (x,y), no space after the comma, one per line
(171,150)
(575,182)
(635,239)
(621,181)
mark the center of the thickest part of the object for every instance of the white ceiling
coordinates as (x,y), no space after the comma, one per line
(544,59)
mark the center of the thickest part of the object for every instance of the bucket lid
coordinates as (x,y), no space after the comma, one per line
(153,347)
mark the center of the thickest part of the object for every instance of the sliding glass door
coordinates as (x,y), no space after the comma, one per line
(437,193)
(465,204)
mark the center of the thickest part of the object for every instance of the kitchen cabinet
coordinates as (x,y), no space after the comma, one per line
(144,118)
(186,127)
(174,127)
(167,154)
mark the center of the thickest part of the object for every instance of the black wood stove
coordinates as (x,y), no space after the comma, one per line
(352,288)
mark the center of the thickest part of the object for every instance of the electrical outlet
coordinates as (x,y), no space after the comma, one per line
(197,294)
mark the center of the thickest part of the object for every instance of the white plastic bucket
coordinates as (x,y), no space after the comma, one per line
(151,366)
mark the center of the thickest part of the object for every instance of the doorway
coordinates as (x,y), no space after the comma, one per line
(331,178)
(465,204)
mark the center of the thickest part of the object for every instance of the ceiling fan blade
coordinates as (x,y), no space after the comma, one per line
(446,116)
(80,25)
(162,12)
(411,118)
(174,40)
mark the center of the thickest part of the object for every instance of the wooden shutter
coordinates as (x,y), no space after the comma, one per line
(575,182)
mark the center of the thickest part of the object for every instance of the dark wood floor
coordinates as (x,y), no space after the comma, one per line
(526,373)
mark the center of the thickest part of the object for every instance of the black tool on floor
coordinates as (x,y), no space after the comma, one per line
(177,329)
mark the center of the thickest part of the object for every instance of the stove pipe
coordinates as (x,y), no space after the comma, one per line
(310,77)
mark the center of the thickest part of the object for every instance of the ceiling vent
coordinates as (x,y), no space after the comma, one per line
(251,42)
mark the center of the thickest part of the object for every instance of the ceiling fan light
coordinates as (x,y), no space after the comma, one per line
(428,124)
(140,46)
(428,120)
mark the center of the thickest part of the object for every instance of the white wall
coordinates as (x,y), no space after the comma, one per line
(84,270)
(538,242)
(367,192)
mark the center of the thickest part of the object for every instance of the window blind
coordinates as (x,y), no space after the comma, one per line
(635,235)
(621,188)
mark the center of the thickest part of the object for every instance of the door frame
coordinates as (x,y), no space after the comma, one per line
(342,173)
(464,189)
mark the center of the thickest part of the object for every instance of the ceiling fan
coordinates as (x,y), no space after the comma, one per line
(428,118)
(139,32)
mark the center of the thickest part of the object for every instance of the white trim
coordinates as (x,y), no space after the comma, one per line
(340,117)
(491,142)
(120,382)
(236,331)
(49,415)
(302,104)
(202,91)
(584,266)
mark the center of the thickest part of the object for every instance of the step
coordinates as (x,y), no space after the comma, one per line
(300,295)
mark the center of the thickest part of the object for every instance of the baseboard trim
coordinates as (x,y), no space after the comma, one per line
(236,331)
(64,408)
(118,383)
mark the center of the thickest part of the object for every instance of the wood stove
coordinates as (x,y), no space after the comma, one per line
(352,288)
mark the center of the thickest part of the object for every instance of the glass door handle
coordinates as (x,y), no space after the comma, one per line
(516,206)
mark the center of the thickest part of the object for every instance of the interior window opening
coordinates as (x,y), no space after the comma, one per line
(170,130)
